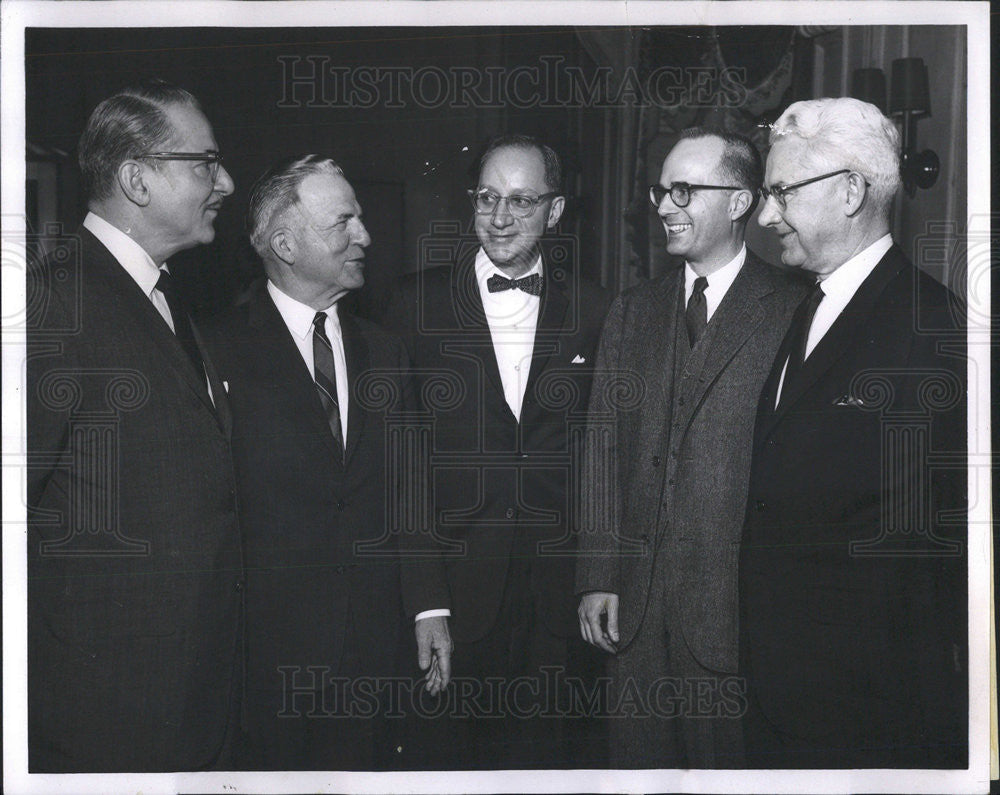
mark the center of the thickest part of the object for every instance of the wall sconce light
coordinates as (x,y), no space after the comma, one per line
(909,98)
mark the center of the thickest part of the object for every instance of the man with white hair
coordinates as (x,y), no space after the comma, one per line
(852,586)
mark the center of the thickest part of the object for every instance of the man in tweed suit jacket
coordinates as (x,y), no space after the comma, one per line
(658,576)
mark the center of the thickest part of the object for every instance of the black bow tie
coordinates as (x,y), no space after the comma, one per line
(529,284)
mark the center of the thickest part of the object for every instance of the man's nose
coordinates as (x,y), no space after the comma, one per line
(361,236)
(769,212)
(223,182)
(501,216)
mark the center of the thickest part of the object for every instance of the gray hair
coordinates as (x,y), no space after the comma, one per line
(277,190)
(847,133)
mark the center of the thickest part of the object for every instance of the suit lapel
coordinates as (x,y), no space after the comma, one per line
(131,300)
(358,361)
(732,324)
(548,329)
(472,324)
(665,327)
(281,359)
(843,335)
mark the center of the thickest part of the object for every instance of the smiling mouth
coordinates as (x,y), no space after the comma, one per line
(676,229)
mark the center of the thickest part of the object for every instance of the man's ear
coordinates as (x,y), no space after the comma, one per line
(739,203)
(556,211)
(133,184)
(282,243)
(857,194)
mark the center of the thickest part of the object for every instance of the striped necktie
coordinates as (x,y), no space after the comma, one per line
(325,375)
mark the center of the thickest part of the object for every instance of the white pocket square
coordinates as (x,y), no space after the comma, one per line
(225,385)
(578,359)
(848,400)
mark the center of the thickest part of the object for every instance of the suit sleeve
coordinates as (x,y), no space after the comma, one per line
(47,414)
(423,581)
(599,500)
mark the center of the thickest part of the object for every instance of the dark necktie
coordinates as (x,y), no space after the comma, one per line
(182,322)
(696,315)
(529,284)
(325,374)
(800,331)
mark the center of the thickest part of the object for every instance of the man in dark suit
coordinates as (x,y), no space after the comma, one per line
(852,564)
(659,567)
(134,561)
(312,391)
(515,333)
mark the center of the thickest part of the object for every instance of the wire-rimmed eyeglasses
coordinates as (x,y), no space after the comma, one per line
(680,192)
(520,205)
(212,159)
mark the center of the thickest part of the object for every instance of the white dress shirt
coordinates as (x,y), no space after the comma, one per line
(838,289)
(719,282)
(299,319)
(134,259)
(512,316)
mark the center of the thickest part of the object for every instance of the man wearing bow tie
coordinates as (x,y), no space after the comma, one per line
(658,585)
(852,566)
(309,445)
(516,329)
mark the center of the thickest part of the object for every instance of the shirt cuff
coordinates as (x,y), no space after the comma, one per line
(444,611)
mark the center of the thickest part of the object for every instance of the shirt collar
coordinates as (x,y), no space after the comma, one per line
(718,281)
(485,268)
(130,255)
(298,316)
(844,282)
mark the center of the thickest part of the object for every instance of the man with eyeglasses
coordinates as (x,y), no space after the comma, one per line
(134,560)
(517,329)
(658,575)
(852,564)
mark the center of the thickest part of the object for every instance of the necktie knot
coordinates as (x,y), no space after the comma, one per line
(531,284)
(319,323)
(700,284)
(165,283)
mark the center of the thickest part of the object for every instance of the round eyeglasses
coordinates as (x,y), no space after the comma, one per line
(211,159)
(680,192)
(519,205)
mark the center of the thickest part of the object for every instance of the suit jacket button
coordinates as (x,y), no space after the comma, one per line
(340,505)
(239,585)
(671,481)
(656,460)
(645,539)
(339,569)
(759,505)
(510,513)
(680,401)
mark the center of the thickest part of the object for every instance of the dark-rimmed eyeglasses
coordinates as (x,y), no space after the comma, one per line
(212,159)
(780,192)
(680,192)
(520,205)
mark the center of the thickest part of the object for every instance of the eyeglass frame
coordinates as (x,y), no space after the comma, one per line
(689,188)
(535,201)
(213,158)
(779,193)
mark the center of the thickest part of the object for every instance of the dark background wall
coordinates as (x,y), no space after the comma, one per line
(271,92)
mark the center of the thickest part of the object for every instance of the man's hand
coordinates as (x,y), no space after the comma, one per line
(434,649)
(592,607)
